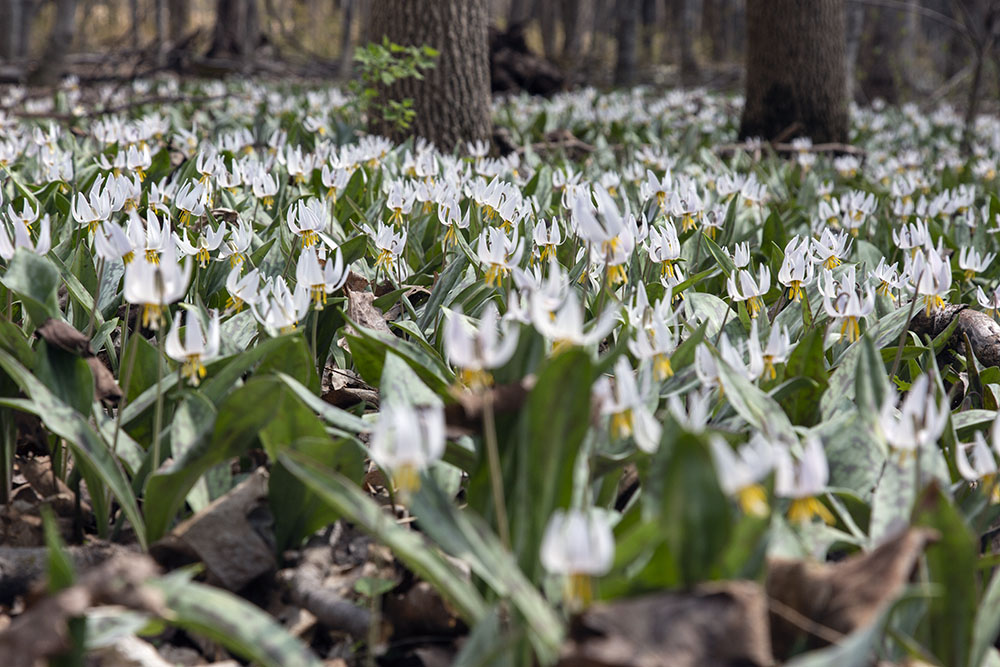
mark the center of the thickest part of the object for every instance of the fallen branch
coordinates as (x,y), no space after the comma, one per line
(305,583)
(118,108)
(22,566)
(982,330)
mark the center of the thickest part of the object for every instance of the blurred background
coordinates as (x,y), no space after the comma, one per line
(897,50)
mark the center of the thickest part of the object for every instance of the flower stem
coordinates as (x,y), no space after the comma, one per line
(496,474)
(158,413)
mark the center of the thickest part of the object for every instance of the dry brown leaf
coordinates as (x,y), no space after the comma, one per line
(223,537)
(361,309)
(41,631)
(717,624)
(64,336)
(106,388)
(825,601)
(51,489)
(465,415)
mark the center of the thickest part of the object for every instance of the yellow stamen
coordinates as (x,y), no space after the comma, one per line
(769,367)
(579,591)
(667,268)
(203,257)
(851,327)
(932,301)
(152,256)
(450,236)
(802,510)
(832,262)
(661,367)
(407,479)
(495,274)
(621,423)
(475,378)
(795,290)
(128,257)
(268,202)
(309,238)
(384,260)
(753,500)
(318,296)
(688,222)
(617,275)
(235,303)
(152,314)
(754,305)
(193,369)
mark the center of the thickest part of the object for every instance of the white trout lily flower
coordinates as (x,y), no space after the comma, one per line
(565,326)
(655,342)
(915,421)
(92,208)
(664,248)
(238,244)
(320,279)
(190,199)
(476,350)
(279,309)
(981,465)
(498,253)
(741,472)
(887,279)
(151,238)
(931,275)
(971,262)
(624,405)
(22,239)
(154,286)
(390,245)
(797,268)
(27,217)
(578,545)
(197,348)
(208,241)
(307,218)
(112,243)
(243,290)
(831,249)
(803,481)
(991,301)
(405,440)
(742,287)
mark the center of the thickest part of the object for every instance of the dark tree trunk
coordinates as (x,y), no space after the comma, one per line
(855,27)
(180,16)
(576,16)
(52,63)
(452,102)
(520,11)
(687,25)
(878,65)
(650,16)
(713,28)
(628,28)
(548,17)
(237,30)
(134,13)
(795,80)
(11,27)
(346,37)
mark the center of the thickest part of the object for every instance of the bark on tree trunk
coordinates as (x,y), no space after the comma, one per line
(11,18)
(452,102)
(134,12)
(520,11)
(855,26)
(649,21)
(346,39)
(795,76)
(52,64)
(180,15)
(548,17)
(237,30)
(628,28)
(688,58)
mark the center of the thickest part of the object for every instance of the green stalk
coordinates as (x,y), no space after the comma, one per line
(496,473)
(158,413)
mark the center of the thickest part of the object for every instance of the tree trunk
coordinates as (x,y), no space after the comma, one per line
(855,26)
(346,37)
(11,24)
(452,102)
(576,18)
(520,11)
(649,27)
(878,64)
(628,28)
(180,15)
(712,28)
(237,30)
(795,75)
(548,17)
(687,27)
(134,13)
(52,63)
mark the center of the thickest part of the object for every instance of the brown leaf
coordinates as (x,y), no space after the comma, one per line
(106,388)
(51,489)
(826,601)
(361,309)
(223,537)
(717,624)
(42,631)
(64,336)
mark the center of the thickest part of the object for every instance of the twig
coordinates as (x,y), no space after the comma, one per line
(789,148)
(157,99)
(803,622)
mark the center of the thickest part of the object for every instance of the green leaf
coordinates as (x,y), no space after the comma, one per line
(557,418)
(35,280)
(694,513)
(240,626)
(89,450)
(987,623)
(465,535)
(807,361)
(951,562)
(235,432)
(757,408)
(449,278)
(60,567)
